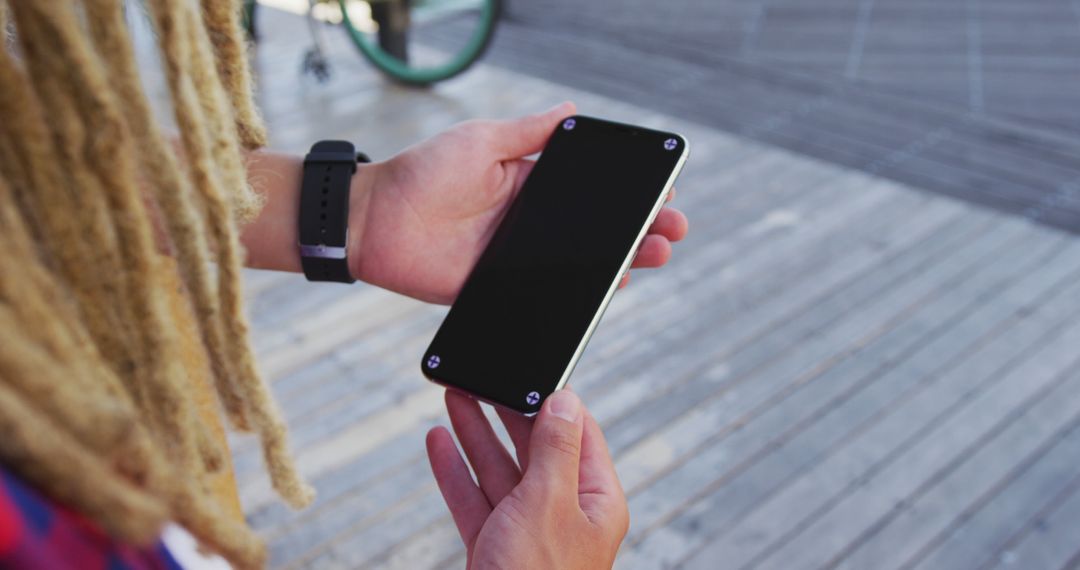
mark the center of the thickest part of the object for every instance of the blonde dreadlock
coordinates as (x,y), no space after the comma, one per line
(95,400)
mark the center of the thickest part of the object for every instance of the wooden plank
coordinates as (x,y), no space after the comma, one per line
(257,281)
(980,529)
(909,536)
(367,384)
(353,512)
(437,546)
(335,323)
(744,344)
(807,337)
(396,388)
(335,488)
(372,542)
(892,25)
(358,366)
(713,451)
(373,388)
(1049,539)
(935,394)
(938,174)
(877,495)
(780,445)
(932,164)
(851,125)
(337,450)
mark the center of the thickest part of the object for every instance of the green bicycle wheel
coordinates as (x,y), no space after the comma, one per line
(247,19)
(420,42)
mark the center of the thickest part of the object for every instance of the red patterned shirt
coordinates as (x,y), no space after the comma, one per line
(38,534)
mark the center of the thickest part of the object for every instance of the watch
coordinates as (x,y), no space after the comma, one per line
(324,210)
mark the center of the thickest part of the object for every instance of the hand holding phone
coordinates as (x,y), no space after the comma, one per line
(536,295)
(562,508)
(432,208)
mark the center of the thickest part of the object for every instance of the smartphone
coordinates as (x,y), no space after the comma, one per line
(535,296)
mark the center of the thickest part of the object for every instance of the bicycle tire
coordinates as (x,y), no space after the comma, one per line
(400,72)
(247,19)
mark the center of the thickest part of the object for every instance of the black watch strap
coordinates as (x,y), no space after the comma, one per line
(324,210)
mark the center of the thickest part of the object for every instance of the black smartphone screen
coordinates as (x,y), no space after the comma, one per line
(517,327)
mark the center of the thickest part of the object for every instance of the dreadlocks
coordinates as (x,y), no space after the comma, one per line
(96,395)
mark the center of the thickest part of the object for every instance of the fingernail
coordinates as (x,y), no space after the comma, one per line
(565,404)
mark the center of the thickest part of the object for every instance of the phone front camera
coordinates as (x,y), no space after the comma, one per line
(569,124)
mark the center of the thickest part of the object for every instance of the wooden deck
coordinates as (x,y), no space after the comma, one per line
(836,370)
(975,99)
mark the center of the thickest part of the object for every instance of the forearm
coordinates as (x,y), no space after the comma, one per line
(271,239)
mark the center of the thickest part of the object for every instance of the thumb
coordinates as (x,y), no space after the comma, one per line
(555,446)
(527,135)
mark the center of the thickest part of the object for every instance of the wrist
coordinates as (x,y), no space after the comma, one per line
(270,239)
(362,189)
